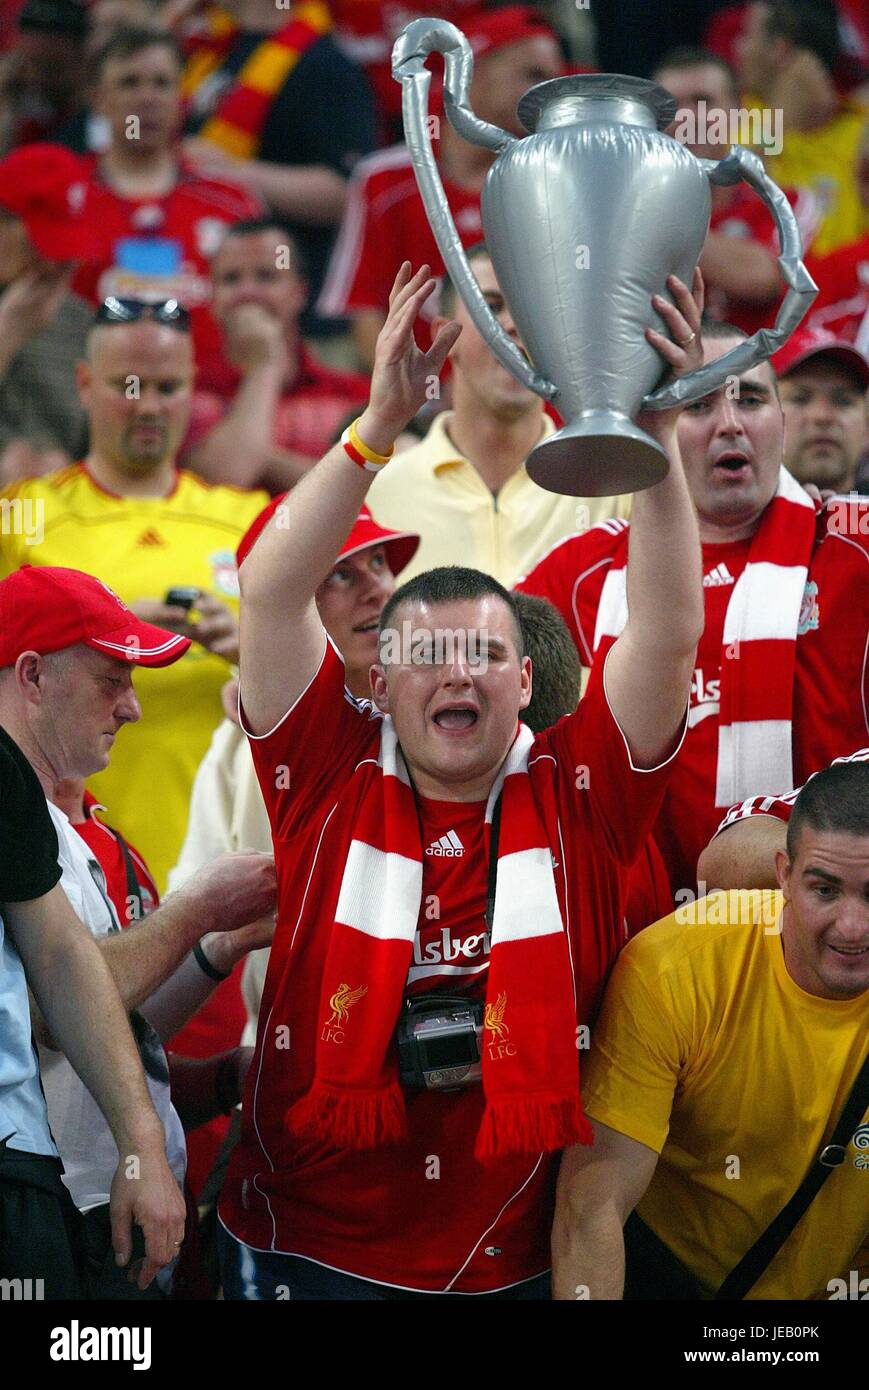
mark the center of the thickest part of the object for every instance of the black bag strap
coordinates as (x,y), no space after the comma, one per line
(134,889)
(752,1265)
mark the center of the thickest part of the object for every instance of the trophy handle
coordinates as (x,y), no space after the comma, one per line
(741,163)
(420,38)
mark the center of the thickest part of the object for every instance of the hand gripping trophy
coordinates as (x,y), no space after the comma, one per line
(584,219)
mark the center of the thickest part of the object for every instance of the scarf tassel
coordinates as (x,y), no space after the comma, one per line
(348,1119)
(519,1124)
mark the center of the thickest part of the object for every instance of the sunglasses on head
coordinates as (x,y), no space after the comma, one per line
(167,311)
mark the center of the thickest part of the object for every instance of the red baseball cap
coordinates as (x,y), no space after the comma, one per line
(46,186)
(497,28)
(401,546)
(805,343)
(44,608)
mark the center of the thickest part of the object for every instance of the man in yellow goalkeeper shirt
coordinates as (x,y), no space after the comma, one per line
(130,516)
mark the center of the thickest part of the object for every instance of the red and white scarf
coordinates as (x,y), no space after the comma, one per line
(758,650)
(530,1059)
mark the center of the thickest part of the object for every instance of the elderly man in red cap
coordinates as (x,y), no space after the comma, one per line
(385,220)
(68,649)
(822,383)
(43,326)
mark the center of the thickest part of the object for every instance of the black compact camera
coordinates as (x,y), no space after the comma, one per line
(184,596)
(439,1043)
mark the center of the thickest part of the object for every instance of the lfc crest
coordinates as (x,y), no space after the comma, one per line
(493,1020)
(341,1003)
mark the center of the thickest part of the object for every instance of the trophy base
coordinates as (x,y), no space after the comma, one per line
(600,454)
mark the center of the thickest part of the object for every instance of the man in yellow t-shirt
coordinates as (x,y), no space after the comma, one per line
(464,487)
(729,1040)
(810,136)
(129,516)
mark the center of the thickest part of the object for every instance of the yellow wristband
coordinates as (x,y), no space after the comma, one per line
(362,447)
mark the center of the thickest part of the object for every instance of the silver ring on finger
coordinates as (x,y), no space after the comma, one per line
(686,342)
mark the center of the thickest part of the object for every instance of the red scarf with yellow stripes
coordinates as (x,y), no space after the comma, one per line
(237,122)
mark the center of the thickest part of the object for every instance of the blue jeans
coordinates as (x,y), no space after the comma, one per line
(262,1275)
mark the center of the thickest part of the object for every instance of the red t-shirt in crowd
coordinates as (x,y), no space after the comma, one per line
(181,231)
(384,224)
(746,218)
(842,305)
(308,413)
(421,1214)
(831,679)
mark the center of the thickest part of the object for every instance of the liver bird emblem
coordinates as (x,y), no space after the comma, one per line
(342,1001)
(493,1019)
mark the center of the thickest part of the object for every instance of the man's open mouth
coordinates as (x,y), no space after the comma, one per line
(733,463)
(456,718)
(848,950)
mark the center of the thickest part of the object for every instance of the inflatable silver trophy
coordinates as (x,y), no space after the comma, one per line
(584,219)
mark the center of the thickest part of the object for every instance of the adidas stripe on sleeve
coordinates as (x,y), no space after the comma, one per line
(778,806)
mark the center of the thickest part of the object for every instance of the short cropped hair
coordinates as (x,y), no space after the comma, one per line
(128,40)
(253,226)
(448,584)
(837,798)
(448,292)
(686,56)
(810,24)
(554,660)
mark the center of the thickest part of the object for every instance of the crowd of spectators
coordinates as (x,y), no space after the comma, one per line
(218,283)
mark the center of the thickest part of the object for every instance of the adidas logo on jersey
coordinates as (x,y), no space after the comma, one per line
(150,537)
(718,576)
(449,846)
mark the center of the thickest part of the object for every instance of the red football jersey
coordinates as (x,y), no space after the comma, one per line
(421,1214)
(842,305)
(160,248)
(831,679)
(384,224)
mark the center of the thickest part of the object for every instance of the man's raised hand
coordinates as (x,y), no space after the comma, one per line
(402,372)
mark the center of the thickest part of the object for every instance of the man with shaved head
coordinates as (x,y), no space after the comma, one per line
(127,514)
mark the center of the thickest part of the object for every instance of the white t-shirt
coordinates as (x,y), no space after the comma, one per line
(89,1153)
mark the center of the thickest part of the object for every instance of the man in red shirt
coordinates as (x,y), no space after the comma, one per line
(158,221)
(265,408)
(781,684)
(385,217)
(384,815)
